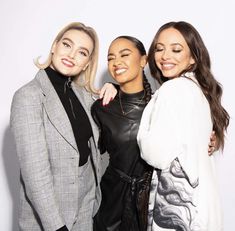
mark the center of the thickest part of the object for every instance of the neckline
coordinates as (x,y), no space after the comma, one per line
(56,77)
(137,101)
(131,96)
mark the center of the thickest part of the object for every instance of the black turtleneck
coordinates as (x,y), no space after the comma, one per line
(76,113)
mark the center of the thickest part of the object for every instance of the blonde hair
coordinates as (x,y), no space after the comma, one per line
(87,75)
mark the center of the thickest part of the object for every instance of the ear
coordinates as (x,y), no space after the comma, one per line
(53,47)
(143,61)
(192,61)
(84,68)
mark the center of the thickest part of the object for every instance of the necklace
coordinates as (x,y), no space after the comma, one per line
(134,105)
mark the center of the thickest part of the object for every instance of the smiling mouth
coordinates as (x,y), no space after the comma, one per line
(120,71)
(167,66)
(67,63)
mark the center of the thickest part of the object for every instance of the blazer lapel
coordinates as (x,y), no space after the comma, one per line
(55,109)
(85,99)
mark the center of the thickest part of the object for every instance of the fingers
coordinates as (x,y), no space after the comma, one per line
(212,143)
(101,92)
(107,98)
(213,136)
(108,92)
(211,150)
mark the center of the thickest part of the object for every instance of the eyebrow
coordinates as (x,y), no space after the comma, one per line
(83,48)
(125,49)
(172,44)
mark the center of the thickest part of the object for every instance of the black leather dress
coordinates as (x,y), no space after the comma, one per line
(118,131)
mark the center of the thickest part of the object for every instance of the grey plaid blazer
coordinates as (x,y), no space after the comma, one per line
(48,155)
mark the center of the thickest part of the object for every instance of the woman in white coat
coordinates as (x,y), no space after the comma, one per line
(175,129)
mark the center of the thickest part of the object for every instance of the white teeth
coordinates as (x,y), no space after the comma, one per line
(168,65)
(120,71)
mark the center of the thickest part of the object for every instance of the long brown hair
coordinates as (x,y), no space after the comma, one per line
(90,72)
(211,88)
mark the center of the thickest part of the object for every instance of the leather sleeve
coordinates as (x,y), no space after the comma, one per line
(95,108)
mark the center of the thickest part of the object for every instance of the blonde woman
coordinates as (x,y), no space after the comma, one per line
(56,138)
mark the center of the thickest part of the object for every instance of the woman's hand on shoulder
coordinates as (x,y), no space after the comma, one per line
(107,93)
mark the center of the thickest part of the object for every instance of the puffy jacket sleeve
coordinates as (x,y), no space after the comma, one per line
(167,130)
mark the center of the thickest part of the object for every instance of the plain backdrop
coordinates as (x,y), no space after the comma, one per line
(27,28)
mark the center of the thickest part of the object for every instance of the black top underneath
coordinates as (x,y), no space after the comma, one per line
(118,134)
(76,113)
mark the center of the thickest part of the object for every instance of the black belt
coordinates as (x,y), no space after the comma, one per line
(137,185)
(132,180)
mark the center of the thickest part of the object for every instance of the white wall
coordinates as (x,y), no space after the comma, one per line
(27,28)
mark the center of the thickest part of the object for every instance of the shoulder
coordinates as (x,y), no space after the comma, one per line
(105,110)
(177,84)
(177,94)
(27,93)
(178,88)
(84,94)
(96,111)
(97,105)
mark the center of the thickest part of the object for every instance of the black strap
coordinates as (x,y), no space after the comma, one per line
(133,181)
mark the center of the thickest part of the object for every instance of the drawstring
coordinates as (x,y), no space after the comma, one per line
(67,84)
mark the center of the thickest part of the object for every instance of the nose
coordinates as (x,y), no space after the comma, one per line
(166,54)
(72,53)
(116,62)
